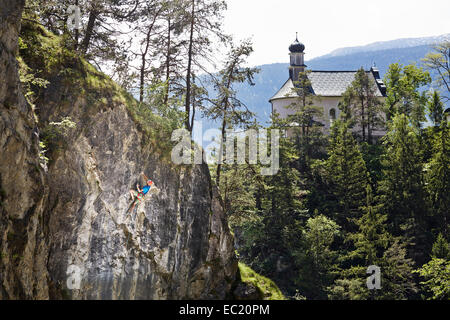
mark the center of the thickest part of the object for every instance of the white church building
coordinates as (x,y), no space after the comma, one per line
(328,86)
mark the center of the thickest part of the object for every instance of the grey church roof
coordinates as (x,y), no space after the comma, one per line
(328,84)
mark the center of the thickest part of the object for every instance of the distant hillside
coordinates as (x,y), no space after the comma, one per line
(392,44)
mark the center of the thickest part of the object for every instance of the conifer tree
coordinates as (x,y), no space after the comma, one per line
(397,280)
(203,22)
(435,109)
(438,179)
(227,108)
(347,175)
(361,104)
(304,123)
(372,237)
(369,243)
(441,248)
(402,187)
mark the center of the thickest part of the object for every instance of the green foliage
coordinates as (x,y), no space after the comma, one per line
(42,157)
(438,178)
(44,52)
(226,107)
(437,275)
(372,238)
(397,273)
(372,154)
(346,174)
(31,83)
(441,248)
(348,289)
(435,109)
(402,187)
(55,135)
(439,62)
(157,128)
(315,257)
(268,288)
(303,124)
(155,101)
(373,245)
(361,106)
(238,187)
(403,94)
(319,235)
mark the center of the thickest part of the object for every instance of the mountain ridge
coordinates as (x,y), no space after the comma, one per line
(388,44)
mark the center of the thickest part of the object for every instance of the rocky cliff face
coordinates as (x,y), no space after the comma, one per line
(175,245)
(71,221)
(23,250)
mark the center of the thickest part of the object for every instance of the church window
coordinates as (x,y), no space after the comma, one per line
(332,114)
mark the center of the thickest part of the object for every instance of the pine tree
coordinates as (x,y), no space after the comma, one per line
(437,271)
(361,104)
(306,131)
(438,179)
(402,191)
(368,246)
(372,237)
(203,22)
(441,248)
(347,175)
(397,282)
(227,108)
(435,109)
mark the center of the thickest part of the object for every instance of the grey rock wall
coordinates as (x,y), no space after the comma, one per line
(23,249)
(175,245)
(74,215)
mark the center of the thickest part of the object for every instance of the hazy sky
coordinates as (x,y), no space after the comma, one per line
(325,25)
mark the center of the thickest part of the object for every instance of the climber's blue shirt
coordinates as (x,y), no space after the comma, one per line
(146,189)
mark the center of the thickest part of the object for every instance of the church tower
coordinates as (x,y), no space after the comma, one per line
(297,59)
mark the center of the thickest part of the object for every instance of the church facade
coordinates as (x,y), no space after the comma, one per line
(327,86)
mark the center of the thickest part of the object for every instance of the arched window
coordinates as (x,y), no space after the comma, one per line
(332,115)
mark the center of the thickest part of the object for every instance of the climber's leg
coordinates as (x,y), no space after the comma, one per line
(132,206)
(133,194)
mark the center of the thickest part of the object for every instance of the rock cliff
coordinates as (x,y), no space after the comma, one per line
(23,249)
(69,218)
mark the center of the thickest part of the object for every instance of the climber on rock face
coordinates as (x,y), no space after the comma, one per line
(139,194)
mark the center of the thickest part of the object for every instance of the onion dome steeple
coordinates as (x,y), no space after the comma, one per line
(296,46)
(297,59)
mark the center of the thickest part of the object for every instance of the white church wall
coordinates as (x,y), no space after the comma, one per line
(327,104)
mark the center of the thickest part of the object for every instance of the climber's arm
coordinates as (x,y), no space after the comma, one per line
(138,188)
